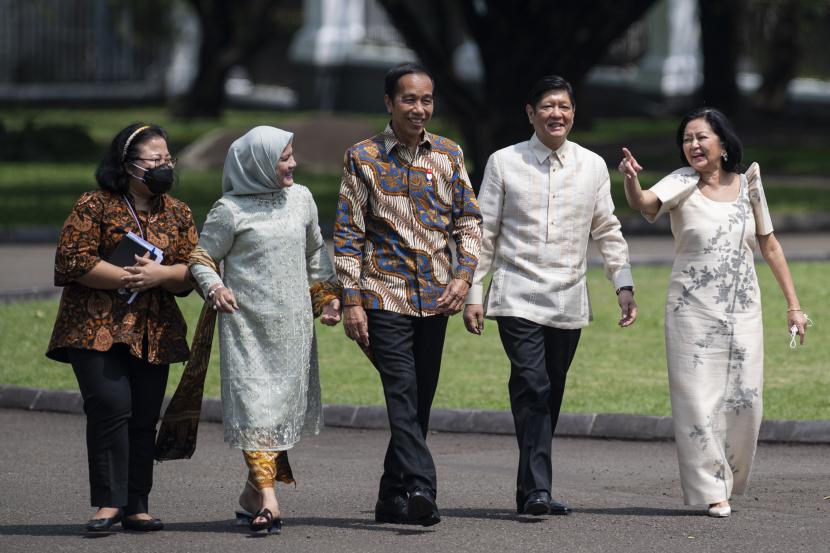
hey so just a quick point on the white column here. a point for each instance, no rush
(672, 65)
(330, 30)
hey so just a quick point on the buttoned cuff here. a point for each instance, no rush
(475, 295)
(352, 296)
(623, 278)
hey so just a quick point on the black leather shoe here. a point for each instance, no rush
(391, 510)
(421, 508)
(102, 524)
(141, 525)
(536, 504)
(557, 508)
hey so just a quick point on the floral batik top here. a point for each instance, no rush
(96, 319)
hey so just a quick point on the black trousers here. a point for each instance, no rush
(539, 360)
(122, 399)
(407, 352)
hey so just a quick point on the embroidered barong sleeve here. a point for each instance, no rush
(77, 251)
(490, 202)
(673, 189)
(216, 239)
(466, 223)
(763, 221)
(350, 230)
(606, 232)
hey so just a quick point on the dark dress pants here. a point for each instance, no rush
(407, 354)
(122, 399)
(539, 360)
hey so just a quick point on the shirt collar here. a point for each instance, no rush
(390, 140)
(543, 153)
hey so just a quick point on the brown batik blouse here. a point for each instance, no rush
(95, 319)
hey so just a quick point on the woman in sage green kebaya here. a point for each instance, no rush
(265, 230)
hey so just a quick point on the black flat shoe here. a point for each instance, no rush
(422, 509)
(142, 525)
(557, 508)
(102, 524)
(391, 510)
(536, 504)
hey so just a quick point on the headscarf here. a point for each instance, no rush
(250, 166)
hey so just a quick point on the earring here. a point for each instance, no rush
(724, 155)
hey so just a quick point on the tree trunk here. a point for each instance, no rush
(781, 59)
(720, 41)
(231, 33)
(517, 47)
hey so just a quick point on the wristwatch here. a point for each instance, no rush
(629, 288)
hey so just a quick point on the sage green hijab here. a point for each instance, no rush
(250, 167)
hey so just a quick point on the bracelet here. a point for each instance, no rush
(788, 310)
(210, 294)
(629, 288)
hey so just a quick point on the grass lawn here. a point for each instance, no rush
(41, 193)
(615, 370)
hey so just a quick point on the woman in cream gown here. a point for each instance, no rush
(714, 334)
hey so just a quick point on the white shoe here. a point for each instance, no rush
(720, 512)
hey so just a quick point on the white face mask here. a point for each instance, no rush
(794, 331)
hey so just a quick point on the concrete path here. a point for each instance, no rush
(625, 496)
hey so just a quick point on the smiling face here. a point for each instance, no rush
(552, 117)
(285, 167)
(702, 146)
(411, 107)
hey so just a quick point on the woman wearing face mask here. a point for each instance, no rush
(714, 337)
(119, 349)
(265, 230)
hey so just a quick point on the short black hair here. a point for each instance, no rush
(111, 173)
(725, 131)
(390, 81)
(545, 85)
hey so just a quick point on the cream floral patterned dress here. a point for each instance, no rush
(714, 335)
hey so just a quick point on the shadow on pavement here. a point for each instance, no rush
(643, 512)
(225, 526)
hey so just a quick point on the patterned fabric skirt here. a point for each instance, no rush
(266, 468)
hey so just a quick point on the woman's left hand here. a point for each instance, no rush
(331, 313)
(145, 274)
(799, 320)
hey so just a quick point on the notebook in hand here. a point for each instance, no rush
(123, 256)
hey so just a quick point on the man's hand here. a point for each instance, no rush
(452, 300)
(331, 313)
(474, 318)
(356, 324)
(628, 307)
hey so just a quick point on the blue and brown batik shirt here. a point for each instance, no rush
(395, 217)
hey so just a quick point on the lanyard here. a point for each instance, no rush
(135, 217)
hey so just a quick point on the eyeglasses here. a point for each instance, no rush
(159, 161)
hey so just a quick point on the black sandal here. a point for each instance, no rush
(259, 526)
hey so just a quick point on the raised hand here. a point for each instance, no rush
(629, 166)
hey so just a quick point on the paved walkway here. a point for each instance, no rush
(625, 495)
(27, 268)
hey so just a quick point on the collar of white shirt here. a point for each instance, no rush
(543, 153)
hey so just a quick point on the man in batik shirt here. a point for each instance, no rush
(404, 195)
